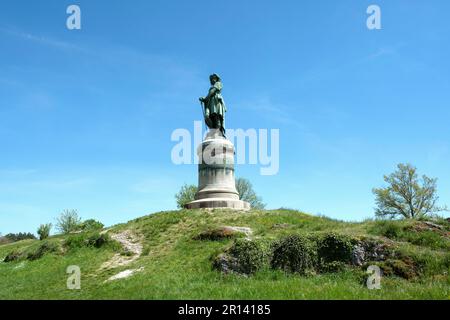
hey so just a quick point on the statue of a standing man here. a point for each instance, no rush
(214, 106)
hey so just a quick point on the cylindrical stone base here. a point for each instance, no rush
(216, 181)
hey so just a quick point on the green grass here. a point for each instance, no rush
(178, 267)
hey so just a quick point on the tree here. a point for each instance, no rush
(185, 195)
(68, 221)
(14, 237)
(44, 231)
(246, 193)
(407, 195)
(90, 225)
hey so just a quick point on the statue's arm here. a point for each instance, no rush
(211, 93)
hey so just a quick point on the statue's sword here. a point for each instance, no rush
(203, 109)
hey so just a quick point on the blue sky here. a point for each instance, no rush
(86, 115)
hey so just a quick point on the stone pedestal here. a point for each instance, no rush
(216, 182)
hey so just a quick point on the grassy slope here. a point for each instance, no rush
(177, 267)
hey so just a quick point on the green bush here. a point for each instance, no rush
(13, 256)
(76, 241)
(250, 255)
(84, 240)
(243, 257)
(217, 234)
(294, 253)
(185, 195)
(91, 225)
(333, 247)
(46, 247)
(44, 231)
(99, 240)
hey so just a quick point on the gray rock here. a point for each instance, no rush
(358, 255)
(369, 250)
(226, 263)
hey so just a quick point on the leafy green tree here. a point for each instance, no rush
(406, 195)
(68, 221)
(14, 237)
(44, 231)
(90, 225)
(185, 195)
(246, 193)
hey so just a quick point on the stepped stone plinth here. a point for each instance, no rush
(216, 181)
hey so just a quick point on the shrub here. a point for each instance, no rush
(44, 231)
(13, 256)
(294, 253)
(98, 240)
(333, 247)
(217, 234)
(244, 257)
(246, 193)
(83, 240)
(46, 247)
(185, 195)
(76, 241)
(250, 255)
(68, 221)
(91, 225)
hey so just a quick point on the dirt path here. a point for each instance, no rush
(132, 246)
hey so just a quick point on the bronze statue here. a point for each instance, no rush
(214, 106)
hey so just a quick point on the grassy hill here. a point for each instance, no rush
(172, 254)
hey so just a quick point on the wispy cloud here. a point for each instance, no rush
(160, 69)
(323, 71)
(382, 52)
(273, 111)
(43, 40)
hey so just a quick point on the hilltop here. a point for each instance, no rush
(224, 254)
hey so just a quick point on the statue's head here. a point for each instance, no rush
(214, 78)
